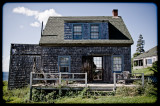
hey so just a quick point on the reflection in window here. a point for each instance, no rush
(64, 63)
(97, 70)
(117, 63)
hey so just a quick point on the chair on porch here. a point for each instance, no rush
(124, 77)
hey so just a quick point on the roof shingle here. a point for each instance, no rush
(53, 33)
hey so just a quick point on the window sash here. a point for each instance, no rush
(117, 63)
(94, 31)
(64, 63)
(77, 31)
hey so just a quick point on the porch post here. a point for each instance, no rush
(30, 86)
(86, 80)
(114, 76)
(60, 83)
(142, 79)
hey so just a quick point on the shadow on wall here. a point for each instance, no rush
(115, 34)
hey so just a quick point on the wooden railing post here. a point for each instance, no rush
(60, 78)
(85, 79)
(114, 76)
(60, 90)
(31, 86)
(142, 79)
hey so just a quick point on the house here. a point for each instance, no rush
(98, 45)
(146, 59)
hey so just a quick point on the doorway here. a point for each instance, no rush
(93, 66)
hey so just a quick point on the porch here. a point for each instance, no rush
(76, 81)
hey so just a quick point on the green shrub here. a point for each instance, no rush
(38, 95)
(150, 89)
(129, 91)
(50, 97)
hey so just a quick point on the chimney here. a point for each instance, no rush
(115, 12)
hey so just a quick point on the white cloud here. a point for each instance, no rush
(39, 16)
(35, 24)
(5, 63)
(25, 11)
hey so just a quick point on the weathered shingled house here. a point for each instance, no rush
(98, 45)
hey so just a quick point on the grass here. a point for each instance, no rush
(146, 71)
(106, 100)
(22, 96)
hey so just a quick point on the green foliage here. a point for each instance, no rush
(140, 45)
(150, 89)
(128, 91)
(136, 54)
(146, 71)
(39, 95)
(50, 97)
(131, 95)
(154, 67)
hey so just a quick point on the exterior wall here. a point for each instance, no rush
(21, 62)
(50, 58)
(144, 62)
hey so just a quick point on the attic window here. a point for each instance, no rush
(94, 31)
(77, 31)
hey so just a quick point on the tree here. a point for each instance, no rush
(140, 45)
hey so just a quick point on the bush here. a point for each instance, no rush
(150, 89)
(39, 95)
(50, 97)
(128, 91)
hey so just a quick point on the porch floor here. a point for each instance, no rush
(91, 86)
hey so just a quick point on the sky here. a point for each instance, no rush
(22, 21)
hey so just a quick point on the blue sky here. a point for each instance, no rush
(22, 21)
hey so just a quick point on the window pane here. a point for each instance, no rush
(117, 63)
(77, 28)
(94, 32)
(64, 60)
(64, 69)
(149, 61)
(94, 28)
(64, 64)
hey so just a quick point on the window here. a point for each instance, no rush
(149, 61)
(94, 32)
(97, 68)
(117, 63)
(64, 63)
(77, 32)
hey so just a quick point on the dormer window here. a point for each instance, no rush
(77, 31)
(94, 32)
(86, 30)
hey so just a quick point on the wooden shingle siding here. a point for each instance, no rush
(47, 58)
(21, 64)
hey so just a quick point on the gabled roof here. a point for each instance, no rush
(152, 52)
(53, 33)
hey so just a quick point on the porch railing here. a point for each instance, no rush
(130, 76)
(56, 78)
